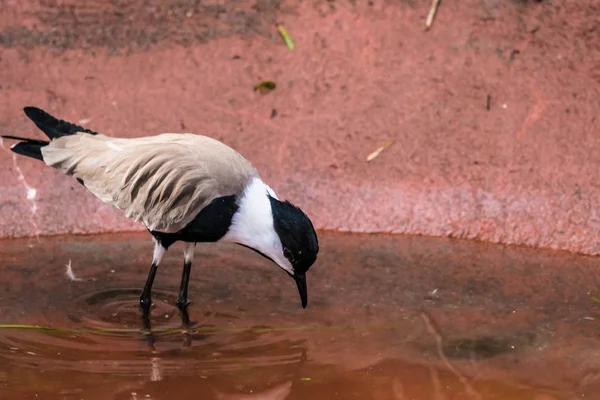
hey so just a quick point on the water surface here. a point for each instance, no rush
(387, 318)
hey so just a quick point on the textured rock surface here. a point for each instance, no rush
(523, 171)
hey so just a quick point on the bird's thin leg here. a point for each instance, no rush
(147, 332)
(146, 297)
(188, 254)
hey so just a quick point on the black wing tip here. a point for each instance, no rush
(46, 122)
(52, 126)
(35, 113)
(28, 109)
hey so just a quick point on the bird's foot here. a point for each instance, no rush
(147, 331)
(145, 304)
(182, 304)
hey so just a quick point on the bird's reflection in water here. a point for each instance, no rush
(186, 328)
(278, 392)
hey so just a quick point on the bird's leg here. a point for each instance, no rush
(146, 297)
(147, 332)
(182, 300)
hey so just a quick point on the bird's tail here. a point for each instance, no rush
(28, 147)
(51, 126)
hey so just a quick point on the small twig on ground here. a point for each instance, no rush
(438, 342)
(378, 151)
(434, 6)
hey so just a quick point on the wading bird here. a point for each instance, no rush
(181, 187)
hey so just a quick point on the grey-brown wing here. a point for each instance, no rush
(161, 181)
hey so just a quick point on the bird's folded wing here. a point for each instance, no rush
(161, 181)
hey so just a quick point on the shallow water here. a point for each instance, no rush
(387, 318)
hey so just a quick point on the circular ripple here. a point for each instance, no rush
(119, 307)
(63, 330)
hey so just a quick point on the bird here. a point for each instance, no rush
(183, 187)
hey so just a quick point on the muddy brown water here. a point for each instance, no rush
(387, 318)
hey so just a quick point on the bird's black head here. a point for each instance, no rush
(298, 240)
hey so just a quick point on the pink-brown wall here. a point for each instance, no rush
(523, 171)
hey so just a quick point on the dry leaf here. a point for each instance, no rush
(286, 37)
(265, 86)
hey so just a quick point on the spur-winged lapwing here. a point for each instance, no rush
(181, 187)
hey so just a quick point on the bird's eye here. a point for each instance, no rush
(288, 254)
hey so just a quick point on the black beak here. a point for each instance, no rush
(301, 283)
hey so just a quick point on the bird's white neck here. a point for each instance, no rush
(252, 225)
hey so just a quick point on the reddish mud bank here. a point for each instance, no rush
(520, 168)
